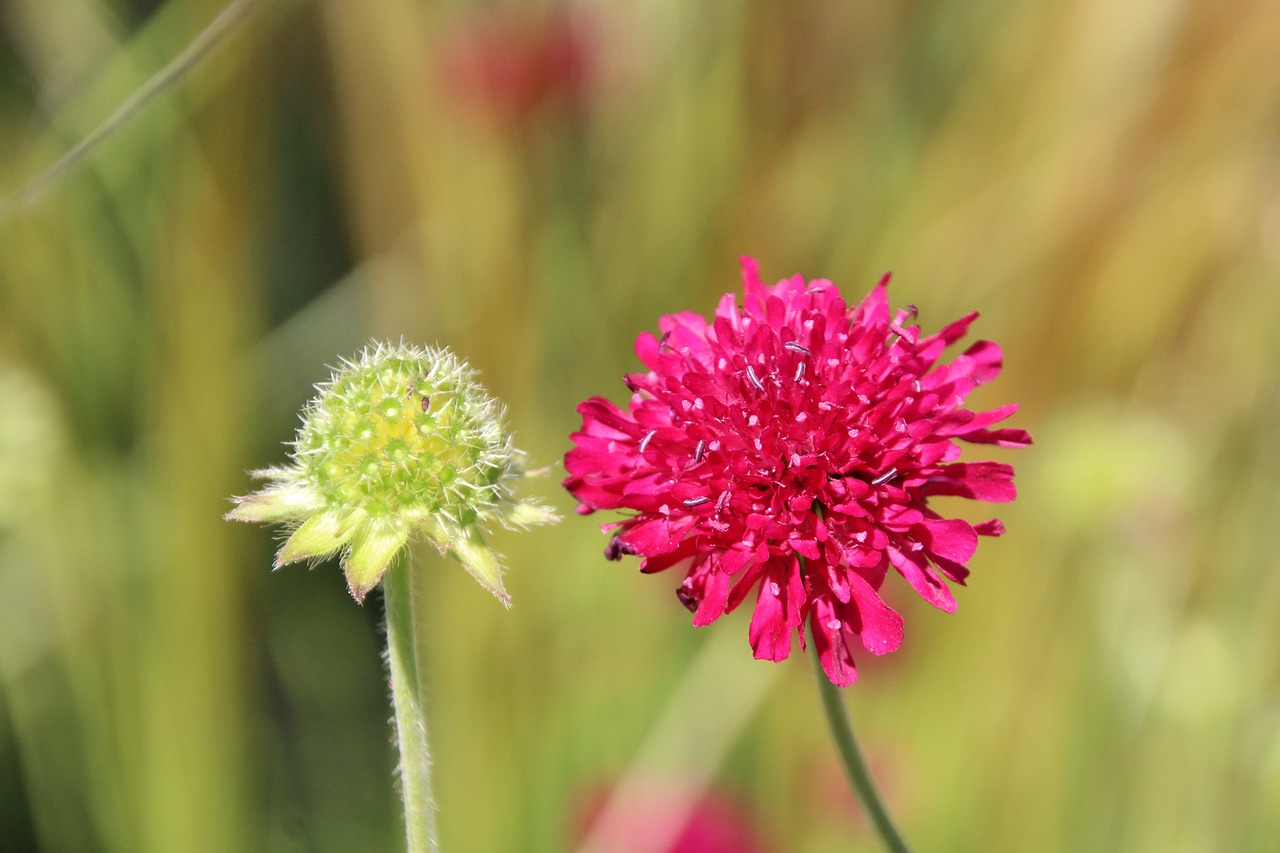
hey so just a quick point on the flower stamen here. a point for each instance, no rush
(885, 477)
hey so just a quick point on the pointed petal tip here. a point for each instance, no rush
(319, 536)
(272, 473)
(845, 677)
(499, 592)
(283, 558)
(276, 502)
(359, 591)
(248, 508)
(372, 550)
(481, 563)
(751, 281)
(526, 514)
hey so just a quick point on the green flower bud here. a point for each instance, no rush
(401, 441)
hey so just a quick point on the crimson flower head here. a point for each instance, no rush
(790, 446)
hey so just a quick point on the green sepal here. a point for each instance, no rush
(320, 536)
(372, 550)
(283, 502)
(528, 514)
(478, 558)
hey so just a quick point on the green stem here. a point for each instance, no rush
(404, 656)
(854, 765)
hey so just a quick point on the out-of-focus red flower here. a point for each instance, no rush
(791, 446)
(507, 67)
(665, 819)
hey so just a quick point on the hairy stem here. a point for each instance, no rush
(403, 658)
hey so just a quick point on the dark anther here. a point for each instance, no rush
(699, 450)
(885, 477)
(426, 403)
(686, 598)
(644, 442)
(915, 312)
(698, 501)
(723, 502)
(753, 379)
(800, 371)
(617, 549)
(797, 347)
(630, 383)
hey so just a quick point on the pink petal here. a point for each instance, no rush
(874, 308)
(923, 579)
(601, 417)
(656, 536)
(984, 481)
(963, 422)
(769, 633)
(751, 282)
(953, 571)
(714, 596)
(805, 547)
(987, 358)
(829, 642)
(956, 329)
(744, 584)
(662, 562)
(881, 626)
(954, 539)
(838, 581)
(1001, 437)
(649, 351)
(993, 527)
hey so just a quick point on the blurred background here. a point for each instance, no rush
(532, 184)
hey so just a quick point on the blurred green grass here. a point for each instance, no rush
(1100, 181)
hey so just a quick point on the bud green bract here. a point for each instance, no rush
(401, 441)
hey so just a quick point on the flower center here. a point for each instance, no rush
(401, 437)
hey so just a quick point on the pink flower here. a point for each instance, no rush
(663, 817)
(508, 67)
(791, 446)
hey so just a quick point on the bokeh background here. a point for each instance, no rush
(532, 184)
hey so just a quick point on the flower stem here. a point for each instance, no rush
(854, 765)
(404, 659)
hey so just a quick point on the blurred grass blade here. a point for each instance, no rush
(231, 18)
